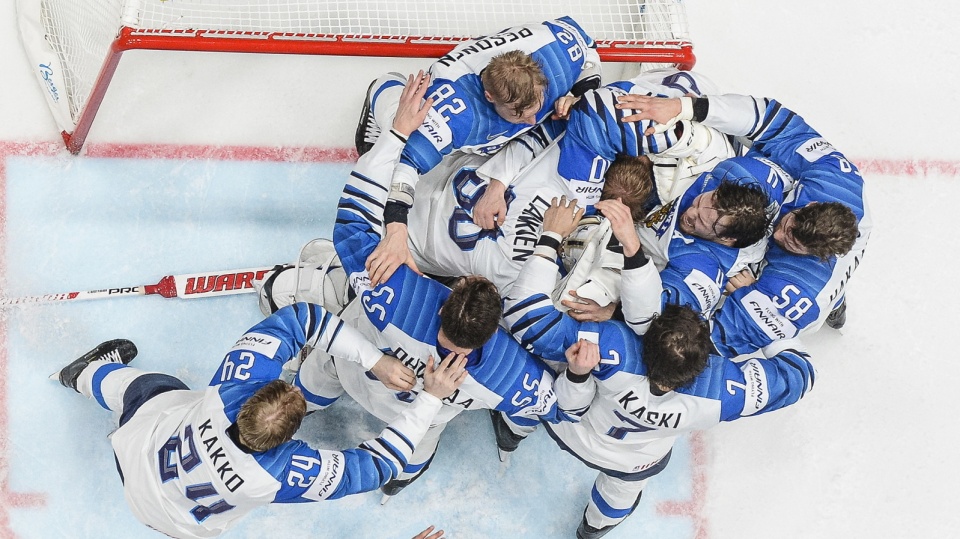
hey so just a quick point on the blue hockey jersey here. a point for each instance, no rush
(794, 294)
(463, 119)
(404, 313)
(625, 427)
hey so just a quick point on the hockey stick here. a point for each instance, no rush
(193, 285)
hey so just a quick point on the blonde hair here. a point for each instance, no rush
(514, 79)
(271, 416)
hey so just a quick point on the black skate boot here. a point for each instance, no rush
(838, 317)
(115, 351)
(367, 129)
(507, 440)
(586, 531)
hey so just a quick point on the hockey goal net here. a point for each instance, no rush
(75, 45)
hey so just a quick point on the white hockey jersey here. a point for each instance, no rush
(185, 474)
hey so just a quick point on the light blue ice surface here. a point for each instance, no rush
(81, 224)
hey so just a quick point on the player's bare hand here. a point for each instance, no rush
(582, 357)
(394, 374)
(586, 310)
(660, 110)
(561, 108)
(562, 216)
(429, 534)
(491, 210)
(413, 109)
(744, 278)
(441, 381)
(621, 221)
(391, 252)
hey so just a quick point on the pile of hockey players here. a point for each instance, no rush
(615, 265)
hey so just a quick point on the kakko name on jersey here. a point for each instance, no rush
(794, 293)
(461, 117)
(401, 315)
(625, 428)
(184, 474)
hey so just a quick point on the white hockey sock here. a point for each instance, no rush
(105, 382)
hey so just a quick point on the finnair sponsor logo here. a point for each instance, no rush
(331, 473)
(360, 281)
(259, 343)
(705, 288)
(766, 316)
(756, 393)
(436, 130)
(815, 149)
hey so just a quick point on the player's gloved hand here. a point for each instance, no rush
(666, 112)
(412, 109)
(389, 254)
(441, 381)
(582, 357)
(561, 109)
(744, 278)
(562, 217)
(394, 374)
(586, 310)
(621, 222)
(491, 210)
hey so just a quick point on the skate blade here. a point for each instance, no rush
(504, 456)
(386, 498)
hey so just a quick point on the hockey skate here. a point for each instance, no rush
(838, 317)
(586, 531)
(368, 130)
(507, 440)
(393, 487)
(115, 351)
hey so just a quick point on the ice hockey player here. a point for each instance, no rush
(193, 462)
(819, 237)
(417, 318)
(636, 395)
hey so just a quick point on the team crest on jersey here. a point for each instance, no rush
(659, 220)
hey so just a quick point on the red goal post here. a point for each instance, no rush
(74, 46)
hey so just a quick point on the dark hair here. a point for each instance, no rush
(825, 229)
(472, 313)
(746, 205)
(631, 180)
(271, 416)
(515, 79)
(676, 346)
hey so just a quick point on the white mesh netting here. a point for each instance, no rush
(80, 32)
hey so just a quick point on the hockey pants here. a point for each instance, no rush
(123, 389)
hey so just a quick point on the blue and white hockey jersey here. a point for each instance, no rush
(624, 427)
(401, 316)
(694, 271)
(185, 475)
(794, 293)
(463, 119)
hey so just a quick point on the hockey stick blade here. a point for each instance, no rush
(187, 286)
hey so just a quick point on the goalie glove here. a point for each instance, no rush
(698, 149)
